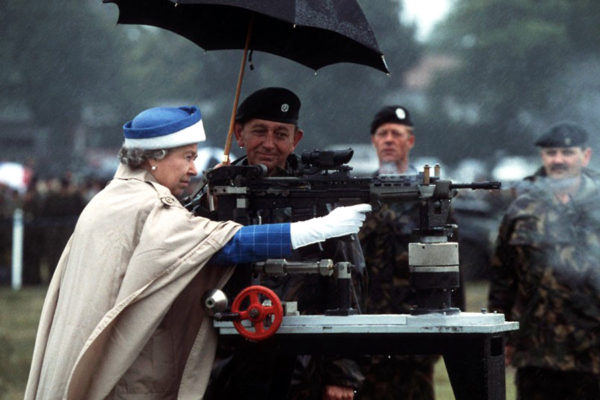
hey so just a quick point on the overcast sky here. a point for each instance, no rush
(425, 13)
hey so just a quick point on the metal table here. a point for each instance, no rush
(472, 344)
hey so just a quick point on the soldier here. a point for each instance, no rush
(392, 136)
(546, 273)
(267, 128)
(385, 237)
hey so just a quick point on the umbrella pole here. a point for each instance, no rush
(236, 99)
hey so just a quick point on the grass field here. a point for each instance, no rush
(19, 313)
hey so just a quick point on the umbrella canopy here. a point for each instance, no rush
(314, 33)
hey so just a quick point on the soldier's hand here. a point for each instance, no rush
(332, 392)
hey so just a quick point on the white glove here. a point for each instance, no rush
(340, 221)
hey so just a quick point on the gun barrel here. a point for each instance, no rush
(477, 185)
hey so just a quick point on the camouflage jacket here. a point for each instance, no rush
(546, 275)
(384, 237)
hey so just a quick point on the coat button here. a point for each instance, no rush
(168, 201)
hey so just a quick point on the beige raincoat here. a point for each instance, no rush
(122, 317)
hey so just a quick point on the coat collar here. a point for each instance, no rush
(125, 172)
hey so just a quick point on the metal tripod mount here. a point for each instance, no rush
(434, 274)
(433, 258)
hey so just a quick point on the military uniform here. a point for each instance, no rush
(546, 275)
(385, 237)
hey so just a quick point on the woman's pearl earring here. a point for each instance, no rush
(154, 168)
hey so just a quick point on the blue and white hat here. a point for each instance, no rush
(164, 128)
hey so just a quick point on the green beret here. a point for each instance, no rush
(563, 134)
(271, 104)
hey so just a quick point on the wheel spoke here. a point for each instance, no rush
(270, 310)
(258, 327)
(254, 298)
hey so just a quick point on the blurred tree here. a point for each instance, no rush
(511, 55)
(581, 23)
(509, 52)
(59, 61)
(165, 68)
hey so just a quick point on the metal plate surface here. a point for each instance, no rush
(464, 322)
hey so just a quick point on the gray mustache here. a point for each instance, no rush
(558, 167)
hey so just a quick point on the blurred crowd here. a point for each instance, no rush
(50, 210)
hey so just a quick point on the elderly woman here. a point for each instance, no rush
(122, 317)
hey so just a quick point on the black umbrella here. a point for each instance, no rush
(314, 33)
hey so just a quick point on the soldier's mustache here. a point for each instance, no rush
(558, 167)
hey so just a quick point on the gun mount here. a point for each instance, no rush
(247, 195)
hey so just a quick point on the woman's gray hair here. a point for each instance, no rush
(135, 158)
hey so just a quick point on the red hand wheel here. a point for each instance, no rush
(257, 313)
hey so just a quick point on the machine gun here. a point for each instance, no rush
(247, 195)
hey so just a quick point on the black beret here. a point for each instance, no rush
(563, 134)
(272, 104)
(394, 114)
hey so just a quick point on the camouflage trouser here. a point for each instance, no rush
(546, 384)
(398, 377)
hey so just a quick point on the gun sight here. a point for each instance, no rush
(327, 159)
